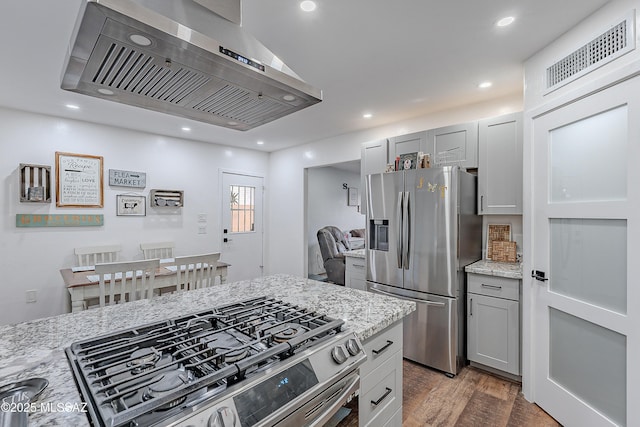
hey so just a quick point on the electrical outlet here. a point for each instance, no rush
(202, 230)
(202, 217)
(32, 295)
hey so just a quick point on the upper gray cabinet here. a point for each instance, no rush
(403, 144)
(500, 165)
(373, 160)
(454, 145)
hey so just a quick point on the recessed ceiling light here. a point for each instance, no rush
(289, 98)
(105, 91)
(485, 85)
(186, 129)
(508, 20)
(140, 40)
(308, 5)
(72, 107)
(260, 142)
(367, 115)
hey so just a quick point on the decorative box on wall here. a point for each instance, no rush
(167, 198)
(35, 183)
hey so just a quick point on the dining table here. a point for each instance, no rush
(83, 285)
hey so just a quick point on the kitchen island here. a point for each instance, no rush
(36, 348)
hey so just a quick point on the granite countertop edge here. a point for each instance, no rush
(36, 348)
(494, 268)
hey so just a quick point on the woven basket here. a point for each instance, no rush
(503, 251)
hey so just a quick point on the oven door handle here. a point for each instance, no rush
(349, 388)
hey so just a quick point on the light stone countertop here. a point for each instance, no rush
(36, 348)
(357, 253)
(492, 268)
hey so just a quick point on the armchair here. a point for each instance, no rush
(333, 245)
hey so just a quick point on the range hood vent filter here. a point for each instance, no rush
(125, 69)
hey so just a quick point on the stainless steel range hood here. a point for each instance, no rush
(180, 58)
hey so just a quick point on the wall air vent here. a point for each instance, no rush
(606, 47)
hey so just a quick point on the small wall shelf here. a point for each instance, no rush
(35, 183)
(167, 198)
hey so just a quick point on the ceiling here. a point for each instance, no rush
(394, 59)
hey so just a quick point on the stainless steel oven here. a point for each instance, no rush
(258, 362)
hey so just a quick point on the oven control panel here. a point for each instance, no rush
(269, 397)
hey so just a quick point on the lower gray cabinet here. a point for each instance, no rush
(354, 275)
(380, 400)
(493, 322)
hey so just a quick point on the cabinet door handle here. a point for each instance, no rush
(386, 393)
(383, 348)
(358, 266)
(481, 203)
(491, 287)
(470, 306)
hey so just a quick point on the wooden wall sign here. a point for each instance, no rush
(79, 181)
(127, 178)
(59, 220)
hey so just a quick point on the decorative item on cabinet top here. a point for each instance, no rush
(167, 198)
(35, 183)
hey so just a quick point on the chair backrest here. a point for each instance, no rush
(130, 280)
(332, 242)
(196, 271)
(93, 255)
(160, 250)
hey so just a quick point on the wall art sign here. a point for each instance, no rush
(79, 181)
(59, 220)
(131, 205)
(127, 178)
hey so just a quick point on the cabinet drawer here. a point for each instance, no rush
(379, 401)
(493, 286)
(356, 267)
(381, 347)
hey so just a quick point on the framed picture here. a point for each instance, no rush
(353, 196)
(79, 181)
(130, 205)
(408, 161)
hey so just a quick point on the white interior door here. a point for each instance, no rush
(242, 236)
(586, 194)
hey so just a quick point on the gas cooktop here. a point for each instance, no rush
(159, 373)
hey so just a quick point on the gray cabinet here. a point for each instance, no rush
(454, 145)
(493, 322)
(354, 274)
(410, 143)
(374, 159)
(380, 397)
(500, 165)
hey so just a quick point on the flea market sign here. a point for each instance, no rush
(127, 178)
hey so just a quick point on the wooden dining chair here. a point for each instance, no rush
(129, 281)
(160, 250)
(196, 271)
(93, 255)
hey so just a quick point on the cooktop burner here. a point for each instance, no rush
(150, 373)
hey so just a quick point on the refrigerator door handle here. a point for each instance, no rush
(399, 215)
(422, 301)
(406, 238)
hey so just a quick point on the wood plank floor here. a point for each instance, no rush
(473, 398)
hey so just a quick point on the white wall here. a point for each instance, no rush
(327, 205)
(602, 20)
(286, 227)
(32, 257)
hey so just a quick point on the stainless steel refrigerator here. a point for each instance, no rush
(422, 230)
